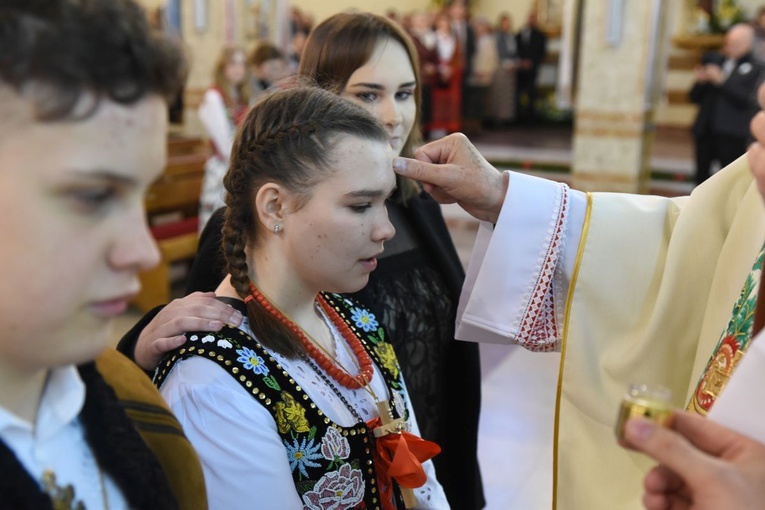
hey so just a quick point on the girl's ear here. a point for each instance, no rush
(271, 206)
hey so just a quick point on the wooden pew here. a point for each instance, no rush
(172, 205)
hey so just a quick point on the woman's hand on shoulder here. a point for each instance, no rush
(199, 311)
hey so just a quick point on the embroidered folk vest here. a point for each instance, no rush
(332, 466)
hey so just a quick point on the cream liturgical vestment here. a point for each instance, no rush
(630, 288)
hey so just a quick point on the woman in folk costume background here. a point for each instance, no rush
(80, 143)
(222, 109)
(447, 91)
(290, 406)
(414, 292)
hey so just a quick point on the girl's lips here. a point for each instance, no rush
(112, 307)
(370, 264)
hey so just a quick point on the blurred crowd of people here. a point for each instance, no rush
(475, 73)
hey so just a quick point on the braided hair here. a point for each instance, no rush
(287, 138)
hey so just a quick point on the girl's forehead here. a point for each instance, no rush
(388, 58)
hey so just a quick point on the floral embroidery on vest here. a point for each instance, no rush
(332, 466)
(732, 345)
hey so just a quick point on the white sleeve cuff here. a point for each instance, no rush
(515, 287)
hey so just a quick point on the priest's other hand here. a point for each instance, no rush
(704, 466)
(199, 311)
(452, 170)
(756, 152)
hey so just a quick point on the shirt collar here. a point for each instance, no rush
(62, 400)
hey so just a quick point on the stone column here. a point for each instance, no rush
(621, 62)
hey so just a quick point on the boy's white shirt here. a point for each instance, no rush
(56, 441)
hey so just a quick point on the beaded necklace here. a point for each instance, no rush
(334, 388)
(338, 373)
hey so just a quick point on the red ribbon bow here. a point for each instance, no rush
(399, 456)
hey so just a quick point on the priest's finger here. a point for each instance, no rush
(672, 449)
(448, 149)
(441, 179)
(664, 502)
(761, 95)
(707, 435)
(757, 127)
(662, 479)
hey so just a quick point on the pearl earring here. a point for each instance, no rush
(277, 228)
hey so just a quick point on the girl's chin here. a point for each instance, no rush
(350, 287)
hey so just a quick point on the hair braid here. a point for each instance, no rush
(234, 242)
(278, 136)
(237, 229)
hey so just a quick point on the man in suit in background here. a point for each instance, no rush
(725, 90)
(532, 48)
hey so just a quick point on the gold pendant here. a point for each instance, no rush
(61, 497)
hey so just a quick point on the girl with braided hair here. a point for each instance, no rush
(291, 407)
(414, 291)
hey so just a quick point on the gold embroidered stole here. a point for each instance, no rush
(732, 345)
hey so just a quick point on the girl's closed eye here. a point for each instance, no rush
(91, 198)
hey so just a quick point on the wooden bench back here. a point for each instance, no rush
(179, 186)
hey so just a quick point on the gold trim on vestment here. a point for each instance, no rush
(567, 316)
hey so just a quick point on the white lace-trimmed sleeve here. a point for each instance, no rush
(517, 280)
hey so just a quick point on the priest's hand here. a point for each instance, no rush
(756, 152)
(199, 311)
(452, 170)
(704, 466)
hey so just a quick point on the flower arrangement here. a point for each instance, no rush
(724, 15)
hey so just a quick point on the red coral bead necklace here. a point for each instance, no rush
(336, 372)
